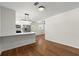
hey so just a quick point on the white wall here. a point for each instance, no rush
(0, 21)
(7, 21)
(64, 28)
(0, 29)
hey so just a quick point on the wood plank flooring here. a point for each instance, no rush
(42, 47)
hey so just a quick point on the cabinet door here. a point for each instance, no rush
(8, 21)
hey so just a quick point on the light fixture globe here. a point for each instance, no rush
(41, 8)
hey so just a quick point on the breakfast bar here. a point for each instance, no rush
(16, 40)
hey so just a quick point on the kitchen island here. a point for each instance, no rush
(16, 40)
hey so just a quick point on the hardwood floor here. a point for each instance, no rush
(42, 47)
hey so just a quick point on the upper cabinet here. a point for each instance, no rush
(7, 21)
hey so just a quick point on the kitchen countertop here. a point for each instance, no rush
(27, 33)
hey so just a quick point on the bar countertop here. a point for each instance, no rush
(27, 33)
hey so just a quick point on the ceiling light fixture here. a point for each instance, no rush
(41, 8)
(26, 17)
(26, 20)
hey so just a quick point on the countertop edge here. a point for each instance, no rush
(28, 33)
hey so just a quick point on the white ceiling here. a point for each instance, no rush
(52, 8)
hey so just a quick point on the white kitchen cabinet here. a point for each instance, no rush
(7, 21)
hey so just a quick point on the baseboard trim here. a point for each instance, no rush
(64, 44)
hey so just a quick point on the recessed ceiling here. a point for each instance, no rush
(52, 8)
